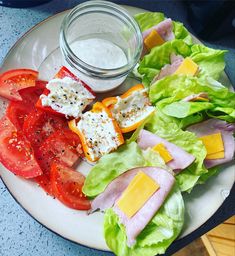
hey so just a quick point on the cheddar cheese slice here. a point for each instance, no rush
(214, 144)
(187, 67)
(140, 189)
(163, 152)
(153, 39)
(217, 155)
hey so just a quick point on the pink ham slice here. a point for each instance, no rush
(212, 126)
(169, 69)
(164, 29)
(181, 159)
(193, 97)
(138, 222)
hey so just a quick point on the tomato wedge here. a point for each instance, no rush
(17, 111)
(12, 81)
(16, 153)
(67, 187)
(60, 146)
(39, 125)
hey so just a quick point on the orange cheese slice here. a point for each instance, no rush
(140, 189)
(214, 145)
(153, 39)
(217, 155)
(187, 67)
(163, 152)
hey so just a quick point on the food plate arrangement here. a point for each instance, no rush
(31, 51)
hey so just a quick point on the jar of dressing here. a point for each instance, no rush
(101, 43)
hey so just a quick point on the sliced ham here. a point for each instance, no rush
(164, 29)
(112, 192)
(169, 69)
(194, 97)
(181, 159)
(212, 126)
(138, 222)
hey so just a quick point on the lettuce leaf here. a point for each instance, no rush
(111, 166)
(147, 20)
(161, 231)
(114, 164)
(159, 56)
(168, 92)
(210, 61)
(168, 128)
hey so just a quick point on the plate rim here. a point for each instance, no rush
(21, 38)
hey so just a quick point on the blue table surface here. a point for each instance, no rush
(20, 234)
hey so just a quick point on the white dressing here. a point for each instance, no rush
(99, 53)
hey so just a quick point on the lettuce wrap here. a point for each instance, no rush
(147, 20)
(161, 231)
(169, 94)
(167, 223)
(168, 128)
(210, 61)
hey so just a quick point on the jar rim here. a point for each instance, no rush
(107, 7)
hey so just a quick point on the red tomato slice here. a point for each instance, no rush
(41, 84)
(67, 187)
(18, 111)
(39, 125)
(44, 182)
(12, 81)
(16, 152)
(47, 108)
(59, 146)
(31, 95)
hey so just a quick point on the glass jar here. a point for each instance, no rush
(101, 42)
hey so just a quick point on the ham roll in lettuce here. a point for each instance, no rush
(191, 100)
(157, 223)
(210, 62)
(216, 132)
(157, 29)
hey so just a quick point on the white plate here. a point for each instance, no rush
(30, 51)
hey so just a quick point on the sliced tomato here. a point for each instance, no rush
(41, 84)
(47, 108)
(31, 95)
(44, 182)
(67, 187)
(60, 146)
(39, 125)
(16, 153)
(17, 111)
(12, 81)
